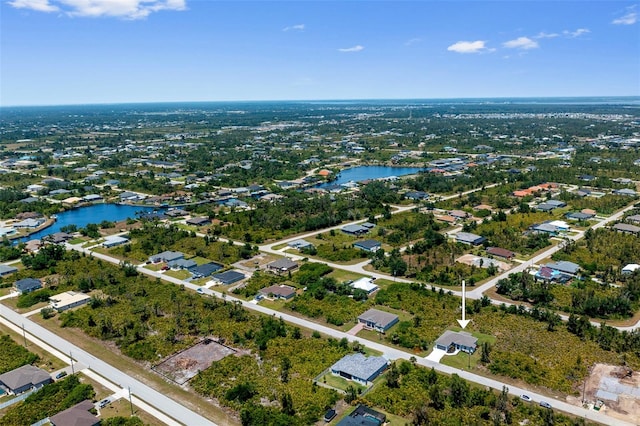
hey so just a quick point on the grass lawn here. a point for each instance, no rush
(154, 266)
(76, 240)
(341, 275)
(200, 260)
(339, 382)
(180, 274)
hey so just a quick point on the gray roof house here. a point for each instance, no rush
(360, 368)
(198, 221)
(282, 265)
(633, 218)
(379, 321)
(228, 277)
(469, 238)
(564, 266)
(27, 285)
(182, 264)
(545, 227)
(300, 244)
(206, 269)
(355, 229)
(625, 191)
(24, 378)
(78, 415)
(6, 270)
(626, 228)
(282, 291)
(166, 256)
(457, 340)
(363, 416)
(368, 245)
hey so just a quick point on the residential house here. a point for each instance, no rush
(58, 237)
(368, 245)
(365, 284)
(228, 277)
(500, 252)
(626, 228)
(166, 256)
(544, 228)
(282, 265)
(360, 368)
(92, 198)
(7, 270)
(363, 416)
(205, 269)
(198, 221)
(78, 415)
(564, 266)
(182, 264)
(300, 244)
(578, 216)
(459, 214)
(67, 300)
(355, 229)
(457, 340)
(633, 218)
(545, 207)
(551, 275)
(625, 191)
(416, 195)
(284, 292)
(24, 378)
(27, 285)
(630, 268)
(173, 213)
(379, 321)
(29, 223)
(114, 240)
(469, 238)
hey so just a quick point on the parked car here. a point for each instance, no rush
(525, 397)
(200, 290)
(61, 374)
(545, 404)
(103, 403)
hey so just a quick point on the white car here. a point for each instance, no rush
(525, 397)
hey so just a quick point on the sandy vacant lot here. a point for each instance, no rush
(618, 388)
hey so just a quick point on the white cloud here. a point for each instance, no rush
(38, 5)
(542, 34)
(412, 41)
(629, 19)
(127, 9)
(478, 46)
(356, 48)
(524, 43)
(298, 27)
(576, 33)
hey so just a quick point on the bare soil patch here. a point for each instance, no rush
(184, 365)
(618, 388)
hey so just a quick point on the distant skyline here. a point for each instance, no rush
(58, 52)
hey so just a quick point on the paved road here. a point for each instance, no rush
(389, 352)
(144, 392)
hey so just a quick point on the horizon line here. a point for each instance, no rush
(634, 97)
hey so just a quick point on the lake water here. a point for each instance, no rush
(357, 174)
(83, 216)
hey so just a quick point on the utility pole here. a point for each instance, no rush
(130, 402)
(71, 359)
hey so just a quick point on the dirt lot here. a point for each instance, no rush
(184, 365)
(469, 259)
(618, 389)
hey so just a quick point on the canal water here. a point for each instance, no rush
(82, 216)
(358, 174)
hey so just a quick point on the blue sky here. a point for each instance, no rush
(109, 51)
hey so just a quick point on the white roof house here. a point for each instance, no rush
(67, 300)
(365, 284)
(630, 268)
